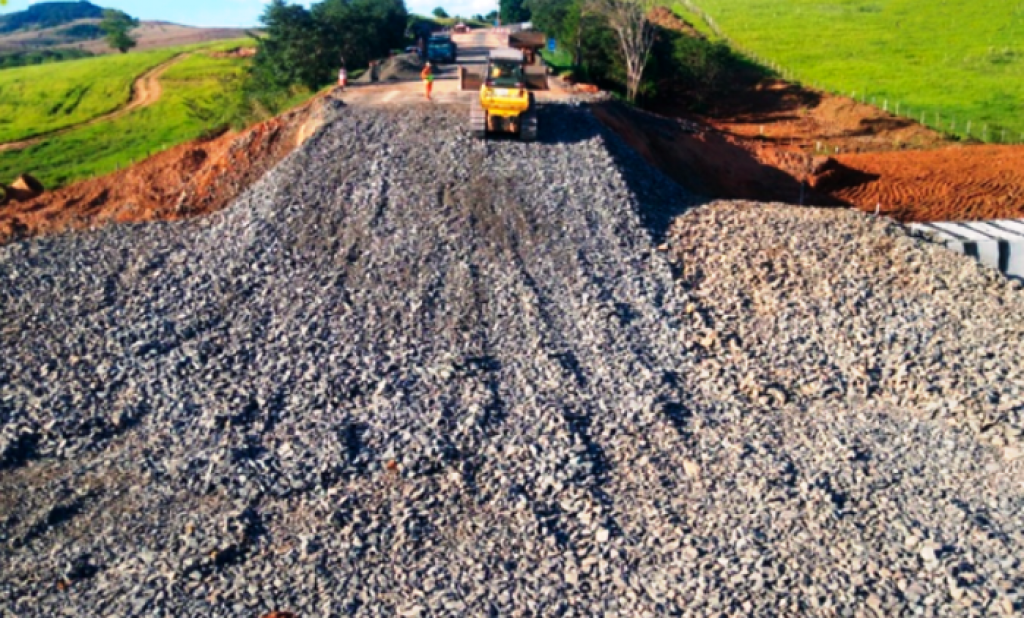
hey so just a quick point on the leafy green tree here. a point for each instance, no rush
(440, 13)
(117, 25)
(304, 47)
(289, 52)
(513, 11)
(550, 16)
(358, 31)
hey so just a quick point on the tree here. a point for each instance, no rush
(301, 46)
(549, 16)
(289, 52)
(440, 13)
(117, 24)
(628, 18)
(358, 31)
(513, 11)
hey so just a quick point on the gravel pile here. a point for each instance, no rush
(403, 67)
(412, 373)
(818, 304)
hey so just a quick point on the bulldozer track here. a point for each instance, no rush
(146, 91)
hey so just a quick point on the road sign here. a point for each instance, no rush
(551, 45)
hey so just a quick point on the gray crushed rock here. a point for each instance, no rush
(411, 373)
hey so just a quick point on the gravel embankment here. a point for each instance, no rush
(413, 373)
(831, 304)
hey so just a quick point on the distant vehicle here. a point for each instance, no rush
(442, 50)
(412, 49)
(461, 28)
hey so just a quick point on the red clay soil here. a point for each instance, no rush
(785, 114)
(770, 140)
(193, 179)
(952, 183)
(710, 162)
(664, 18)
(963, 183)
(788, 115)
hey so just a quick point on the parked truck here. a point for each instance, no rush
(441, 49)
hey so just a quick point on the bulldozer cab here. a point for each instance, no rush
(505, 73)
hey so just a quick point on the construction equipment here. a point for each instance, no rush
(505, 104)
(529, 42)
(442, 50)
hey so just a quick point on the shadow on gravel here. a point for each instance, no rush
(661, 197)
(703, 162)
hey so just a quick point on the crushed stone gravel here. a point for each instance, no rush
(410, 373)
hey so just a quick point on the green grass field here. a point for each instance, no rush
(950, 62)
(106, 146)
(44, 98)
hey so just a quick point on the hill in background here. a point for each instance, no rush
(49, 15)
(47, 28)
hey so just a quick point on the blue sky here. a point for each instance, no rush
(242, 12)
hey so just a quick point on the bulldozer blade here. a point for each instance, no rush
(478, 121)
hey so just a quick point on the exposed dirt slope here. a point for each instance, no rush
(785, 114)
(665, 18)
(952, 183)
(768, 139)
(712, 162)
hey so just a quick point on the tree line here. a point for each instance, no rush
(305, 47)
(613, 43)
(9, 60)
(299, 50)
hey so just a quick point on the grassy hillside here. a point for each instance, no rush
(955, 62)
(39, 99)
(101, 148)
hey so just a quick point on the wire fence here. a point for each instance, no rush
(942, 121)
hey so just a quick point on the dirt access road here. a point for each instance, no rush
(201, 177)
(408, 89)
(146, 90)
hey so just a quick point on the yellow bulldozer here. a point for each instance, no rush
(506, 103)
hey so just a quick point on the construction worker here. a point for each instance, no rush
(427, 75)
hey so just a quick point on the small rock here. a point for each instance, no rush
(930, 552)
(692, 468)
